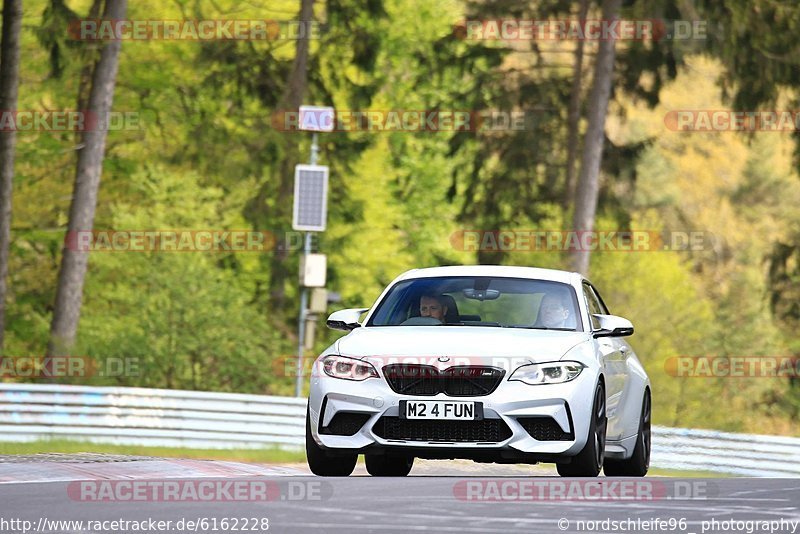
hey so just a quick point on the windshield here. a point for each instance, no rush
(479, 301)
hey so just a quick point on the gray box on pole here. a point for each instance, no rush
(310, 198)
(318, 303)
(313, 270)
(310, 332)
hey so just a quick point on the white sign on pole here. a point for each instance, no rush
(310, 198)
(316, 119)
(313, 269)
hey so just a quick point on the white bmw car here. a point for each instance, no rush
(489, 363)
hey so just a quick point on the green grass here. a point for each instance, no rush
(269, 455)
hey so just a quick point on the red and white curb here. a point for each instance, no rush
(17, 472)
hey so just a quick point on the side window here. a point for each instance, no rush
(593, 303)
(600, 300)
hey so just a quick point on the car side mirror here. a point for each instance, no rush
(345, 319)
(612, 326)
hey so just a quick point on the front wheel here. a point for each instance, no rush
(589, 461)
(639, 462)
(323, 464)
(383, 465)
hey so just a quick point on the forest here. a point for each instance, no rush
(200, 142)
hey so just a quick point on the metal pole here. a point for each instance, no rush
(314, 149)
(301, 326)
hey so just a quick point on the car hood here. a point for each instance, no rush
(462, 344)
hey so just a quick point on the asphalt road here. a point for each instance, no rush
(439, 497)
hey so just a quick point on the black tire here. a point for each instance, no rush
(589, 461)
(384, 465)
(324, 464)
(639, 462)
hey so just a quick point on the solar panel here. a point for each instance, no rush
(310, 198)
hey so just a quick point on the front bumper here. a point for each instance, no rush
(569, 405)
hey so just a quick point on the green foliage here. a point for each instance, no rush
(188, 323)
(755, 40)
(207, 156)
(739, 193)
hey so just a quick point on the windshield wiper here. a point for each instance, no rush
(495, 325)
(560, 329)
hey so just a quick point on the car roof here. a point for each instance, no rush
(505, 271)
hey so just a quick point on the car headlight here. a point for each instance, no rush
(348, 368)
(547, 373)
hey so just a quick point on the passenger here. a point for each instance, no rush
(432, 306)
(554, 311)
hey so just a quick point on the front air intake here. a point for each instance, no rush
(458, 381)
(476, 431)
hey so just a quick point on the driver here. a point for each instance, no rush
(432, 306)
(554, 311)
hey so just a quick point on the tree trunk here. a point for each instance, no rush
(574, 112)
(291, 100)
(89, 58)
(589, 178)
(71, 276)
(9, 83)
(297, 83)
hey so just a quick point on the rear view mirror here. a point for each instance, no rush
(345, 319)
(612, 326)
(481, 294)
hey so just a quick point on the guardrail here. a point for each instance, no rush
(156, 417)
(725, 452)
(205, 420)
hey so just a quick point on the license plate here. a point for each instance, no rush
(449, 410)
